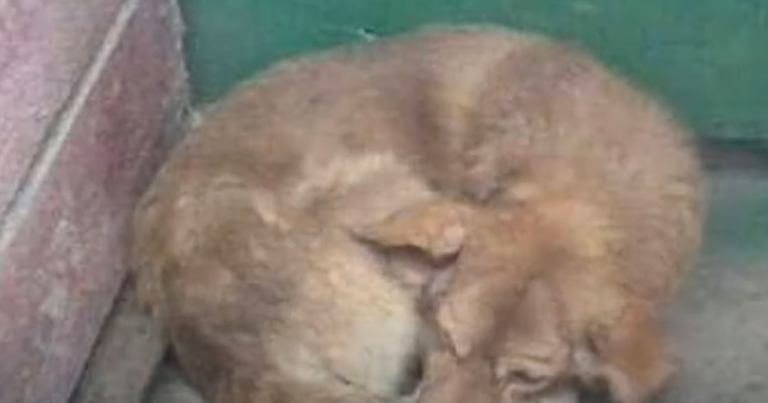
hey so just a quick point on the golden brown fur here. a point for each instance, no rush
(544, 208)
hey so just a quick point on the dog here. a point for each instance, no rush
(492, 209)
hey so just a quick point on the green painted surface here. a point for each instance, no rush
(707, 58)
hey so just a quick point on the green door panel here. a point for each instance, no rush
(706, 58)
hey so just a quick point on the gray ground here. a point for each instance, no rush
(718, 328)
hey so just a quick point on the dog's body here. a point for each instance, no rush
(277, 243)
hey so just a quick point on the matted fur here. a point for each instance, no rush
(538, 206)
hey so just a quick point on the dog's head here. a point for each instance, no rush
(499, 333)
(520, 359)
(503, 323)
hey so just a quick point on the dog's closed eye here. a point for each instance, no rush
(523, 377)
(519, 376)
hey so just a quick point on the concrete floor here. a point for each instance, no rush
(718, 328)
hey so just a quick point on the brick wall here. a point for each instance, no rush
(91, 94)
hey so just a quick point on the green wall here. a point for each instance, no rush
(707, 58)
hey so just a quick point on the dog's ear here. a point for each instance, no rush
(436, 228)
(464, 315)
(519, 324)
(534, 353)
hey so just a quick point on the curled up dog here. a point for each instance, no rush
(492, 207)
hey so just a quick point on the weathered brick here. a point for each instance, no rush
(65, 261)
(44, 46)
